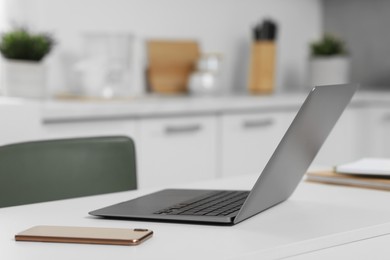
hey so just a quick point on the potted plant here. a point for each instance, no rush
(22, 69)
(329, 62)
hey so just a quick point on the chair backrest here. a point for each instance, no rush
(58, 169)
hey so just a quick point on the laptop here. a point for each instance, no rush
(282, 174)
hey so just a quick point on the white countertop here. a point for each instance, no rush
(159, 106)
(4, 101)
(155, 106)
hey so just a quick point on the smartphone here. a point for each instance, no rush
(85, 235)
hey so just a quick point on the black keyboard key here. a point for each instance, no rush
(213, 204)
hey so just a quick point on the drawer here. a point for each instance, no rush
(248, 140)
(348, 141)
(19, 123)
(176, 150)
(88, 128)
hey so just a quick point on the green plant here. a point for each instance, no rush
(329, 45)
(20, 44)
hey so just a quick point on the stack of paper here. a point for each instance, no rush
(371, 173)
(366, 166)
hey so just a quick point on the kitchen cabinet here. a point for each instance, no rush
(187, 139)
(19, 122)
(346, 142)
(88, 128)
(249, 139)
(176, 150)
(379, 120)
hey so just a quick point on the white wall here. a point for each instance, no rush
(363, 25)
(219, 25)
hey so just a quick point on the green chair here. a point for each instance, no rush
(59, 169)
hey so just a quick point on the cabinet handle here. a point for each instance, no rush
(183, 129)
(258, 123)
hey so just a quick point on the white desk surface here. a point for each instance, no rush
(316, 217)
(372, 248)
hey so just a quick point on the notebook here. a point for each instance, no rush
(366, 166)
(360, 181)
(282, 174)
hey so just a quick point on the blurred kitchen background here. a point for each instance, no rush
(218, 25)
(229, 96)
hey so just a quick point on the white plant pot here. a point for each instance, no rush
(23, 78)
(329, 70)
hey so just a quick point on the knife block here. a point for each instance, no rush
(262, 67)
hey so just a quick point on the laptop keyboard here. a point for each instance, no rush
(219, 203)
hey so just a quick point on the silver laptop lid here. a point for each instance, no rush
(298, 148)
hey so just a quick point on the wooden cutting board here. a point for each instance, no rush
(170, 63)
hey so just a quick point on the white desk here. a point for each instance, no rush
(373, 248)
(315, 217)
